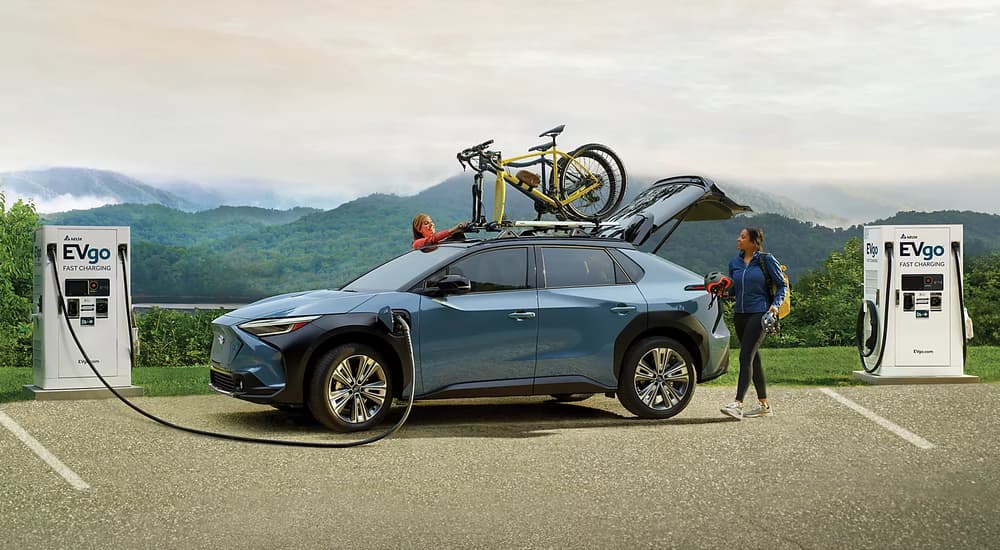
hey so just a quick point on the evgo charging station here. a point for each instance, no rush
(80, 300)
(913, 326)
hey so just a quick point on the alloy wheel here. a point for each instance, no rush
(661, 378)
(358, 389)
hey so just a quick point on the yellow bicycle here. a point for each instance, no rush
(587, 184)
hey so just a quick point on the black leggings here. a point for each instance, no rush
(750, 333)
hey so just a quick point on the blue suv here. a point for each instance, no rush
(535, 313)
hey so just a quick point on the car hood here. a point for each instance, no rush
(313, 302)
(651, 218)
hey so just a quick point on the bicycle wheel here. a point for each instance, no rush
(589, 164)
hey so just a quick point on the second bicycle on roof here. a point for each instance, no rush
(586, 184)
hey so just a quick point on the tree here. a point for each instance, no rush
(17, 238)
(825, 301)
(982, 294)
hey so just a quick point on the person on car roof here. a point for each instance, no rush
(424, 235)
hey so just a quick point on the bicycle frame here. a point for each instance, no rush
(549, 198)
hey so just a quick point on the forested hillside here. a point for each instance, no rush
(323, 249)
(803, 246)
(238, 254)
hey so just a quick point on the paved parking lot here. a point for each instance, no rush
(515, 473)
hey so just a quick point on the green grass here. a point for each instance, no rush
(784, 366)
(171, 380)
(155, 381)
(835, 366)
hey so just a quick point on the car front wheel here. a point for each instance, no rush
(351, 388)
(657, 378)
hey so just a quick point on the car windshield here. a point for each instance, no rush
(397, 273)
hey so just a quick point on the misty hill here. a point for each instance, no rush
(826, 205)
(65, 188)
(158, 224)
(762, 202)
(859, 203)
(68, 188)
(829, 204)
(56, 189)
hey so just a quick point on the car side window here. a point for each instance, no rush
(493, 270)
(573, 266)
(634, 271)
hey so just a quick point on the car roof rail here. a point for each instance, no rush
(553, 224)
(548, 228)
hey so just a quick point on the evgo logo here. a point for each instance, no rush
(85, 252)
(926, 251)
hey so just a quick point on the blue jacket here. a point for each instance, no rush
(750, 287)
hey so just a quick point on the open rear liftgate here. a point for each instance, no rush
(913, 326)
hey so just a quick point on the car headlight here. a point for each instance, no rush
(272, 327)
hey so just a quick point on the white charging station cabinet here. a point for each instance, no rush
(91, 277)
(913, 325)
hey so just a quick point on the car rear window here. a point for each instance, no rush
(635, 272)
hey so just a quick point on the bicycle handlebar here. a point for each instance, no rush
(466, 155)
(471, 152)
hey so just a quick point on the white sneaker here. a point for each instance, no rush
(734, 410)
(759, 410)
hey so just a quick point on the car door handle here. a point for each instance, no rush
(521, 315)
(623, 309)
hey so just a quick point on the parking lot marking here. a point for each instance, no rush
(43, 453)
(894, 428)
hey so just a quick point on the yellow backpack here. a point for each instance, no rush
(786, 306)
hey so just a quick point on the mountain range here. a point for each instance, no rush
(184, 252)
(833, 205)
(233, 254)
(61, 189)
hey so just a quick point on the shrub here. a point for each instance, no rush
(169, 338)
(17, 241)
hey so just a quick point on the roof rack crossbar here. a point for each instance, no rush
(548, 224)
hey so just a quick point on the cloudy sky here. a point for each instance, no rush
(350, 97)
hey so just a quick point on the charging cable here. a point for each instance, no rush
(955, 246)
(121, 252)
(885, 318)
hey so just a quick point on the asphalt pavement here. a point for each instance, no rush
(515, 473)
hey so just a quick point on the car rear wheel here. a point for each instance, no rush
(657, 379)
(351, 388)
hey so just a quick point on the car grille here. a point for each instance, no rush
(223, 382)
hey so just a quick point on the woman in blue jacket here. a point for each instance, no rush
(753, 301)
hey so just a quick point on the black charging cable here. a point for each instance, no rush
(122, 250)
(62, 303)
(955, 246)
(885, 315)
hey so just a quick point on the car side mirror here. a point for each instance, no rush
(452, 284)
